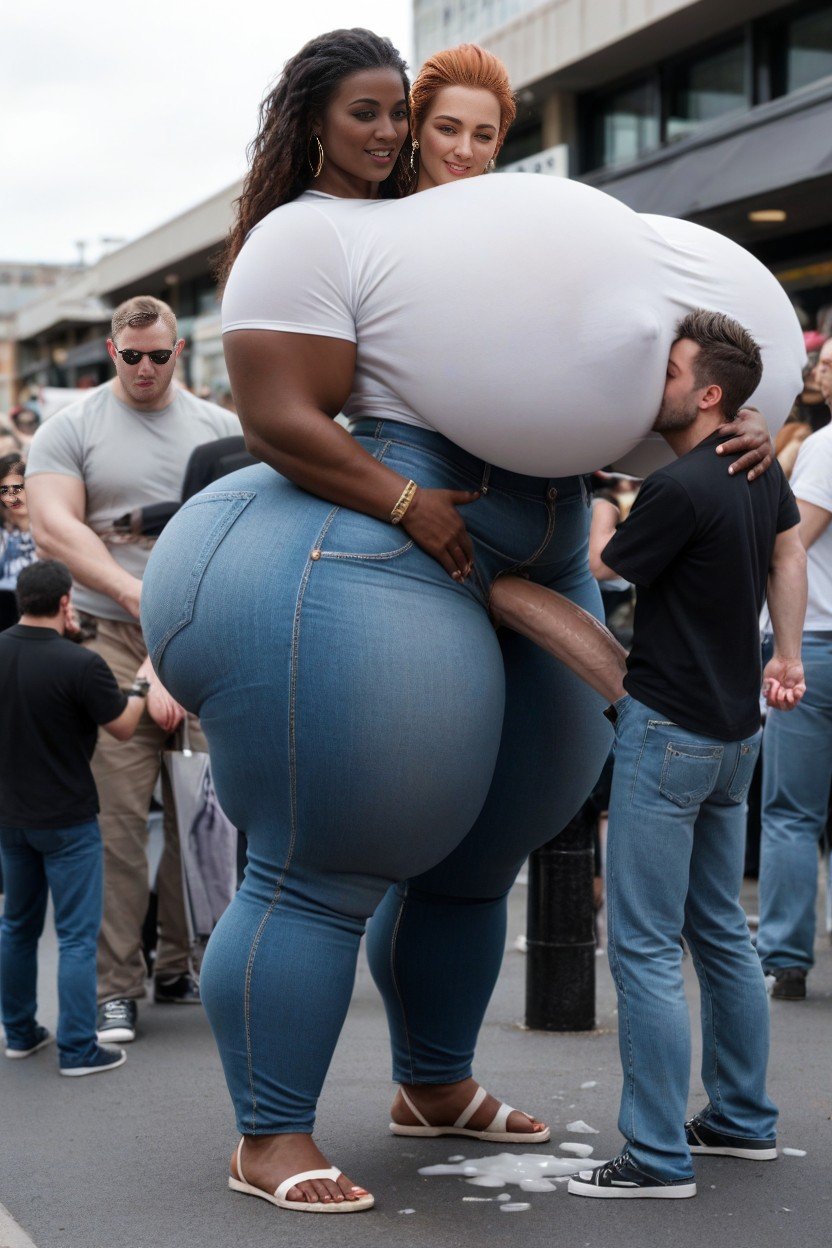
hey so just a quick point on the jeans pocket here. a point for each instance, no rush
(747, 755)
(689, 772)
(199, 527)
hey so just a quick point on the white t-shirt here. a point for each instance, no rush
(812, 482)
(126, 459)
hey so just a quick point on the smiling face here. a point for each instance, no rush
(361, 133)
(458, 136)
(13, 497)
(144, 385)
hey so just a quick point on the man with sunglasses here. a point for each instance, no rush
(123, 447)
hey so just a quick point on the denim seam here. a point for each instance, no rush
(702, 974)
(619, 981)
(551, 505)
(637, 768)
(293, 835)
(351, 555)
(393, 942)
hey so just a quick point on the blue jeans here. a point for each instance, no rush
(674, 869)
(68, 863)
(797, 770)
(378, 742)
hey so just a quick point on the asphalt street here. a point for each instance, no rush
(138, 1158)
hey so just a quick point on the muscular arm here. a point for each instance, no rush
(813, 521)
(568, 632)
(605, 516)
(783, 682)
(288, 388)
(751, 435)
(57, 505)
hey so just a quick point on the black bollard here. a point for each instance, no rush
(560, 963)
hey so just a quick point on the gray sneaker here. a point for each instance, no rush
(789, 983)
(106, 1057)
(117, 1021)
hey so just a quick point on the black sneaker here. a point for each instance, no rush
(703, 1139)
(183, 990)
(106, 1057)
(117, 1021)
(789, 983)
(621, 1179)
(39, 1040)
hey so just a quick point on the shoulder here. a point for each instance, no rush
(206, 414)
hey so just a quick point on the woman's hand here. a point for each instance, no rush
(752, 436)
(434, 523)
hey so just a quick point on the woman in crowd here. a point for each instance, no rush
(17, 546)
(369, 730)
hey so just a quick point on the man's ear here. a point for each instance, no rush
(111, 350)
(711, 398)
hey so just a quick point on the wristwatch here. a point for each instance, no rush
(139, 688)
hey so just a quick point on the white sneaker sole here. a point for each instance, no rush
(76, 1072)
(116, 1035)
(17, 1055)
(748, 1154)
(680, 1192)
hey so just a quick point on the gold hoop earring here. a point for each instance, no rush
(413, 150)
(316, 169)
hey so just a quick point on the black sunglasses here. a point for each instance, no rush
(13, 490)
(132, 357)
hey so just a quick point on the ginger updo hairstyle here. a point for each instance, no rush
(467, 65)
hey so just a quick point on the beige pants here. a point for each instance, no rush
(126, 773)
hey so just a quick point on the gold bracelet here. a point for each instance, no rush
(405, 499)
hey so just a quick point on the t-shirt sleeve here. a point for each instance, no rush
(661, 521)
(103, 699)
(788, 512)
(57, 447)
(291, 275)
(812, 476)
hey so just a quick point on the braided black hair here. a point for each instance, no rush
(279, 165)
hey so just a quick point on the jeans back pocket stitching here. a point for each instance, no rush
(709, 754)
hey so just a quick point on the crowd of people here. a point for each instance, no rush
(390, 519)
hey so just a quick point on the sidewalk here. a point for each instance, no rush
(138, 1158)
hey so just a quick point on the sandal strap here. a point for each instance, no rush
(500, 1119)
(240, 1174)
(413, 1109)
(331, 1173)
(472, 1107)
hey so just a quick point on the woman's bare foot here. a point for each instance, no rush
(268, 1160)
(442, 1103)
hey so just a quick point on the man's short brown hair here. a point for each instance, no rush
(140, 311)
(728, 356)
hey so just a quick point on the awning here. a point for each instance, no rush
(774, 146)
(87, 354)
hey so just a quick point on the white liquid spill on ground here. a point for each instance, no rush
(456, 1157)
(478, 1200)
(577, 1150)
(407, 1211)
(793, 1152)
(504, 1196)
(537, 1185)
(590, 1083)
(502, 1169)
(518, 1207)
(580, 1127)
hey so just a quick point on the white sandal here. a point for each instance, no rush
(302, 1206)
(495, 1132)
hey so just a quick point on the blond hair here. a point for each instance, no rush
(140, 311)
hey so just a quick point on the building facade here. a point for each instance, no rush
(721, 113)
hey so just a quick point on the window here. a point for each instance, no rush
(808, 49)
(706, 88)
(626, 124)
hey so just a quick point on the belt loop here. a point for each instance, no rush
(486, 476)
(378, 429)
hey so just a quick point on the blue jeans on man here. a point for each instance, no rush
(797, 770)
(674, 869)
(68, 863)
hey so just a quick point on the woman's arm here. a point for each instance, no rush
(568, 632)
(288, 389)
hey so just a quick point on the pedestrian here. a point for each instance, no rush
(17, 546)
(126, 446)
(797, 748)
(702, 549)
(54, 695)
(353, 805)
(26, 422)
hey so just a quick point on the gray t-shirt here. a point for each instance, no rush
(126, 459)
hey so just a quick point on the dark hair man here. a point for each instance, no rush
(126, 446)
(797, 750)
(54, 695)
(702, 548)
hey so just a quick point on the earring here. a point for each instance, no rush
(316, 169)
(491, 166)
(413, 150)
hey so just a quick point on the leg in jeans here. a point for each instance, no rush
(797, 769)
(20, 930)
(734, 1004)
(653, 809)
(72, 860)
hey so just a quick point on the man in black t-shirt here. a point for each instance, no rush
(54, 696)
(703, 548)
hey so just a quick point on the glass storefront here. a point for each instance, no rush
(701, 90)
(808, 46)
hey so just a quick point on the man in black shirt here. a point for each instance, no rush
(54, 695)
(703, 548)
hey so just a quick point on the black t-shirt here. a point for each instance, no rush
(53, 696)
(698, 546)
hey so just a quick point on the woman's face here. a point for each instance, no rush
(13, 496)
(361, 133)
(458, 136)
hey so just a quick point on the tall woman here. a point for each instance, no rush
(329, 622)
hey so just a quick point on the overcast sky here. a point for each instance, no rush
(114, 118)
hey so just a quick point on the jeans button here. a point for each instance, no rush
(552, 493)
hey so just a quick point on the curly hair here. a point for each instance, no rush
(279, 167)
(467, 65)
